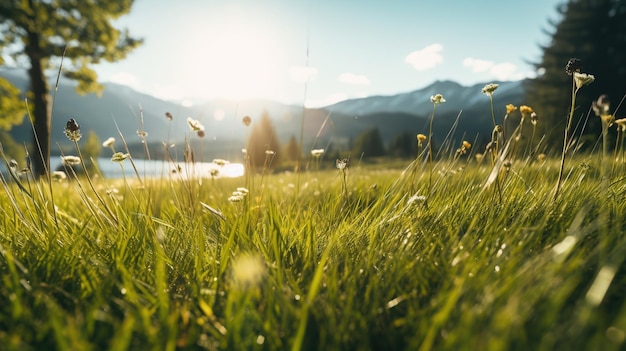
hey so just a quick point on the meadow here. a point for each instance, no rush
(453, 252)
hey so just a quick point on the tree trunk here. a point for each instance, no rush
(42, 107)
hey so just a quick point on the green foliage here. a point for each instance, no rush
(263, 140)
(91, 149)
(292, 149)
(369, 144)
(403, 145)
(81, 32)
(12, 150)
(593, 31)
(12, 108)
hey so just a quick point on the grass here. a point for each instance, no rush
(370, 268)
(449, 254)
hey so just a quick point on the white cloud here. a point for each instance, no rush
(477, 65)
(354, 79)
(504, 71)
(300, 74)
(125, 78)
(426, 58)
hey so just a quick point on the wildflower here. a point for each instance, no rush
(119, 157)
(169, 116)
(342, 164)
(490, 88)
(510, 108)
(573, 65)
(421, 138)
(437, 99)
(582, 79)
(72, 130)
(525, 110)
(601, 106)
(621, 124)
(269, 152)
(220, 162)
(243, 190)
(194, 124)
(247, 120)
(70, 160)
(466, 144)
(109, 142)
(479, 157)
(59, 175)
(214, 172)
(317, 153)
(235, 198)
(142, 134)
(534, 118)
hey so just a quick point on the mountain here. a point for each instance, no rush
(417, 102)
(466, 112)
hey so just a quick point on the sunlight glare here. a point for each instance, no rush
(233, 61)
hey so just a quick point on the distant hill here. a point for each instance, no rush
(339, 123)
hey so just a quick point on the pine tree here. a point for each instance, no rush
(37, 31)
(593, 31)
(292, 149)
(369, 144)
(263, 140)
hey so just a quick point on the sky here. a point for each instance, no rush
(317, 52)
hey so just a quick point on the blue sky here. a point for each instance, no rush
(342, 49)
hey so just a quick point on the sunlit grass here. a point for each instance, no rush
(344, 263)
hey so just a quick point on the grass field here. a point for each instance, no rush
(318, 268)
(432, 254)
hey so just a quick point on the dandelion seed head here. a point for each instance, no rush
(109, 142)
(119, 157)
(317, 152)
(70, 160)
(194, 124)
(59, 175)
(582, 79)
(490, 88)
(437, 99)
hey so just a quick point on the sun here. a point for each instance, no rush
(233, 61)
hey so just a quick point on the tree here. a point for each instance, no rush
(403, 145)
(263, 141)
(369, 144)
(12, 110)
(292, 149)
(593, 31)
(37, 31)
